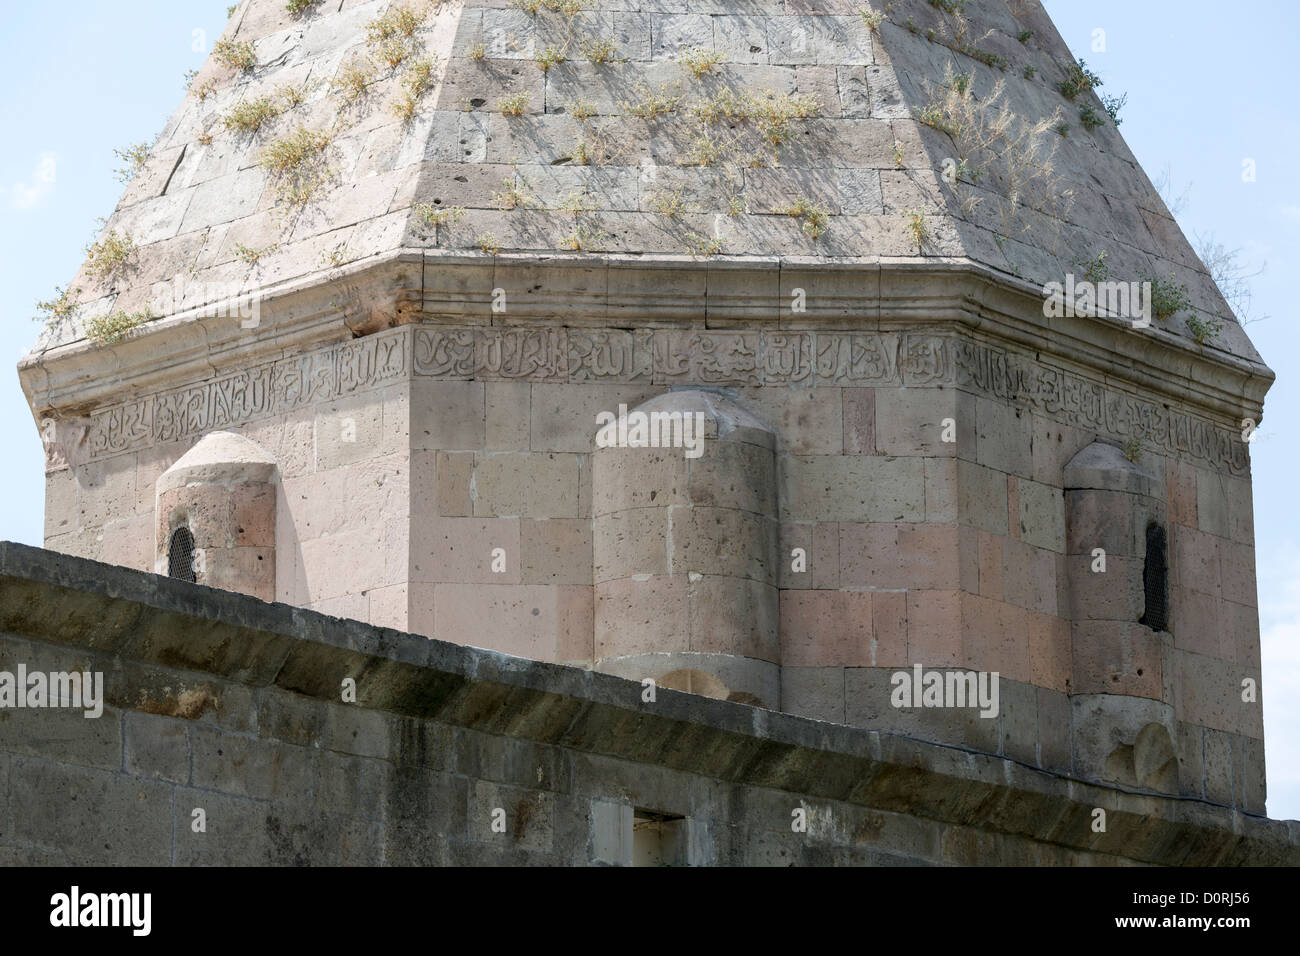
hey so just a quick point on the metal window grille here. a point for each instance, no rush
(180, 555)
(1155, 581)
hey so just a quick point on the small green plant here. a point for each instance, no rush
(1133, 450)
(549, 57)
(706, 245)
(954, 7)
(777, 114)
(816, 217)
(911, 27)
(230, 10)
(297, 160)
(478, 52)
(61, 306)
(237, 56)
(935, 116)
(735, 206)
(204, 89)
(253, 256)
(190, 77)
(699, 60)
(1062, 128)
(652, 103)
(133, 157)
(248, 116)
(1030, 72)
(108, 258)
(1095, 270)
(706, 149)
(335, 257)
(1167, 296)
(297, 7)
(513, 193)
(1078, 79)
(514, 105)
(487, 242)
(577, 204)
(393, 51)
(871, 19)
(352, 80)
(293, 95)
(112, 328)
(1203, 330)
(433, 216)
(929, 34)
(916, 227)
(1024, 35)
(399, 20)
(600, 52)
(670, 203)
(1113, 104)
(204, 138)
(583, 238)
(961, 83)
(582, 110)
(898, 153)
(415, 83)
(1090, 118)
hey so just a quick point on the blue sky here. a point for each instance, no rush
(1207, 88)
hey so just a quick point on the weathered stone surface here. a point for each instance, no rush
(525, 735)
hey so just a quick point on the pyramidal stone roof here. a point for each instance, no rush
(842, 134)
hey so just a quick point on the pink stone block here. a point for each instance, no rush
(934, 628)
(899, 556)
(460, 550)
(825, 555)
(1239, 634)
(130, 542)
(1196, 624)
(514, 619)
(1050, 656)
(1013, 505)
(990, 565)
(639, 617)
(859, 421)
(1111, 657)
(826, 628)
(253, 507)
(995, 637)
(1237, 572)
(1180, 484)
(1196, 560)
(575, 622)
(889, 628)
(389, 606)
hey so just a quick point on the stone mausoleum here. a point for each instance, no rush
(344, 346)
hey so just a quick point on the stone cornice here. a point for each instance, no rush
(640, 292)
(127, 617)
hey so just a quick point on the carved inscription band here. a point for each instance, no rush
(657, 356)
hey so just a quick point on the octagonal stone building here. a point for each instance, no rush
(399, 259)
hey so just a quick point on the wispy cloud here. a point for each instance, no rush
(24, 195)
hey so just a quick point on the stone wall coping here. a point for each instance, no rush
(158, 621)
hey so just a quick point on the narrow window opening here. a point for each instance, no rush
(658, 839)
(1155, 581)
(180, 555)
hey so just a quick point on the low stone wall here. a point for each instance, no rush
(220, 703)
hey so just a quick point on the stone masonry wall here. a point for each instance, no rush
(400, 483)
(219, 702)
